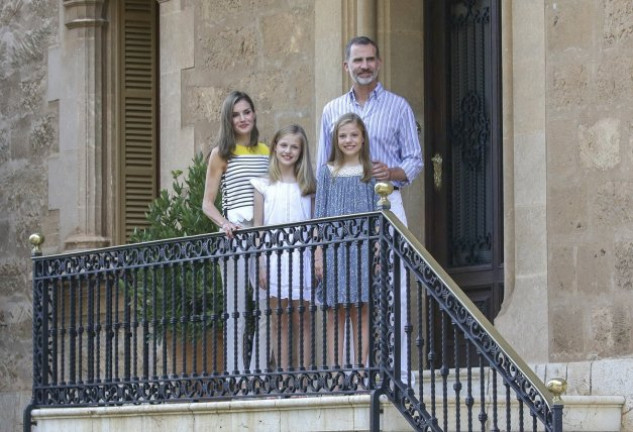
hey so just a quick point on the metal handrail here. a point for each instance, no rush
(545, 404)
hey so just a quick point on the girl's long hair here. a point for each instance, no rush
(303, 166)
(226, 136)
(336, 155)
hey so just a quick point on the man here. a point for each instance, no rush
(393, 139)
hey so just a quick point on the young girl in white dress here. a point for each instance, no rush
(287, 195)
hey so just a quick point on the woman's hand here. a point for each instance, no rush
(229, 228)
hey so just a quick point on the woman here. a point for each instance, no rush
(237, 158)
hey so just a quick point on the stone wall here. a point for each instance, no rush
(28, 135)
(262, 47)
(589, 78)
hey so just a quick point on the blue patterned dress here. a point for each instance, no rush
(339, 195)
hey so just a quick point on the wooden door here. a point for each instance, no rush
(464, 228)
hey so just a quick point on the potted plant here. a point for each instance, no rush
(182, 302)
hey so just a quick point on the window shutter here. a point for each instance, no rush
(139, 113)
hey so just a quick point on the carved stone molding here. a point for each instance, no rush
(84, 13)
(83, 107)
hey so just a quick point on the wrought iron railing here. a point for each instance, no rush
(151, 323)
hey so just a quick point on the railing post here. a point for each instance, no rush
(383, 190)
(557, 386)
(39, 323)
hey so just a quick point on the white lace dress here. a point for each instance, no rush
(289, 276)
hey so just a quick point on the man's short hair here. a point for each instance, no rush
(360, 40)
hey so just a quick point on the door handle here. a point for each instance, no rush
(437, 171)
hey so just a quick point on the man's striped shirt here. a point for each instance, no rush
(393, 136)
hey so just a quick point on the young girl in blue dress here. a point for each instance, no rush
(345, 186)
(287, 195)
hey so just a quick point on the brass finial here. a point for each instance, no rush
(557, 386)
(36, 239)
(383, 189)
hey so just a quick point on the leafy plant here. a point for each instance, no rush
(179, 214)
(188, 293)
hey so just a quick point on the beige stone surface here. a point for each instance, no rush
(589, 81)
(28, 136)
(268, 55)
(12, 404)
(526, 304)
(611, 329)
(177, 45)
(567, 335)
(564, 19)
(618, 23)
(624, 265)
(530, 174)
(594, 270)
(599, 144)
(567, 214)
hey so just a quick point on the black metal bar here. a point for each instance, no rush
(347, 304)
(375, 409)
(397, 318)
(508, 408)
(432, 355)
(59, 326)
(495, 406)
(444, 367)
(419, 341)
(80, 331)
(470, 400)
(154, 322)
(109, 336)
(557, 417)
(483, 417)
(457, 385)
(145, 327)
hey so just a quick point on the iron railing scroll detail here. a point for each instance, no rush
(155, 322)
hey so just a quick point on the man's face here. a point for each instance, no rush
(362, 64)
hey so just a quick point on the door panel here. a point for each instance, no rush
(464, 229)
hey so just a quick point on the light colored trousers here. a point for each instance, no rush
(397, 208)
(236, 331)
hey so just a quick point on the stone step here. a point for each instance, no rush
(309, 414)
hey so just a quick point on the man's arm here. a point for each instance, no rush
(411, 163)
(325, 140)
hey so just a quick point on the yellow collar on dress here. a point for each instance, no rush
(259, 149)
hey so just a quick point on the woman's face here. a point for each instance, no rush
(243, 118)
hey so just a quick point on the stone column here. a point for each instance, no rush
(81, 124)
(366, 21)
(176, 47)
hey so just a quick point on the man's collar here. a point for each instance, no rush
(375, 93)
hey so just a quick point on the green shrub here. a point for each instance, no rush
(185, 293)
(179, 214)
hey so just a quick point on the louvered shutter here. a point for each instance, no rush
(139, 113)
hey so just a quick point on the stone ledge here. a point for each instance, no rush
(325, 413)
(592, 413)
